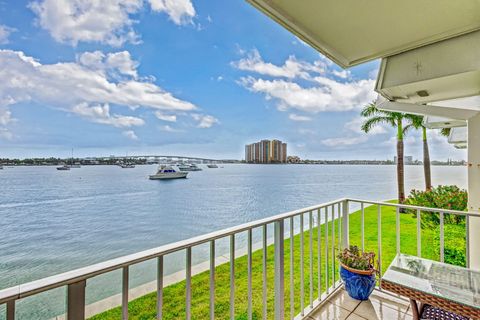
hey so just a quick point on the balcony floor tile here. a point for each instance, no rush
(330, 311)
(380, 306)
(342, 299)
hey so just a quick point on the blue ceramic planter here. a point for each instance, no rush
(358, 286)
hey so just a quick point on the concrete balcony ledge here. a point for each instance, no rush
(381, 306)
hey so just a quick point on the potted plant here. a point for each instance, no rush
(357, 272)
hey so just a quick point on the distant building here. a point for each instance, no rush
(406, 160)
(293, 159)
(266, 151)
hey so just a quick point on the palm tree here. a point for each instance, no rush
(415, 122)
(445, 131)
(374, 117)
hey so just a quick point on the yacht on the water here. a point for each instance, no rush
(212, 166)
(189, 167)
(64, 167)
(167, 172)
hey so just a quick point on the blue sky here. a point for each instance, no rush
(176, 77)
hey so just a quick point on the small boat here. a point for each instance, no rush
(64, 167)
(189, 167)
(1, 167)
(127, 165)
(167, 172)
(212, 166)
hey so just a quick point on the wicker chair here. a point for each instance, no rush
(434, 313)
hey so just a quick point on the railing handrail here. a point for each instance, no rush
(80, 274)
(407, 206)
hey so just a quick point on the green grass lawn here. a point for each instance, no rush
(174, 296)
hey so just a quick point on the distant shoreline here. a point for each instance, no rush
(344, 163)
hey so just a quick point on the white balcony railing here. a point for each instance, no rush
(301, 223)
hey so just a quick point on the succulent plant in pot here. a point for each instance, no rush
(357, 272)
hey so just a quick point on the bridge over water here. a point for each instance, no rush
(157, 158)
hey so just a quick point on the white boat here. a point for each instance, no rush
(64, 167)
(127, 165)
(212, 166)
(189, 167)
(167, 172)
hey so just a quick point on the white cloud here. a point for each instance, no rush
(296, 117)
(5, 33)
(328, 95)
(107, 22)
(130, 134)
(344, 74)
(5, 120)
(86, 87)
(204, 121)
(355, 125)
(408, 140)
(168, 128)
(5, 117)
(317, 93)
(344, 141)
(117, 64)
(291, 69)
(101, 114)
(5, 134)
(166, 117)
(73, 21)
(122, 61)
(180, 11)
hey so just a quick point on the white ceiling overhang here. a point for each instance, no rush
(351, 32)
(432, 122)
(439, 109)
(441, 71)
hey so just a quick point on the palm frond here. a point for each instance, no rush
(408, 127)
(372, 122)
(413, 122)
(445, 131)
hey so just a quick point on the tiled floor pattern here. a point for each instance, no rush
(380, 306)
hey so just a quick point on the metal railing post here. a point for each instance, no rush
(279, 270)
(345, 225)
(212, 279)
(11, 310)
(76, 300)
(125, 287)
(188, 284)
(232, 277)
(160, 288)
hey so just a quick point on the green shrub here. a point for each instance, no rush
(454, 244)
(443, 197)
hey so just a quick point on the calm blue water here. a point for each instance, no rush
(54, 221)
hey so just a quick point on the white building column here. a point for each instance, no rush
(474, 189)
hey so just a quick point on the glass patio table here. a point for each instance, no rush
(426, 282)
